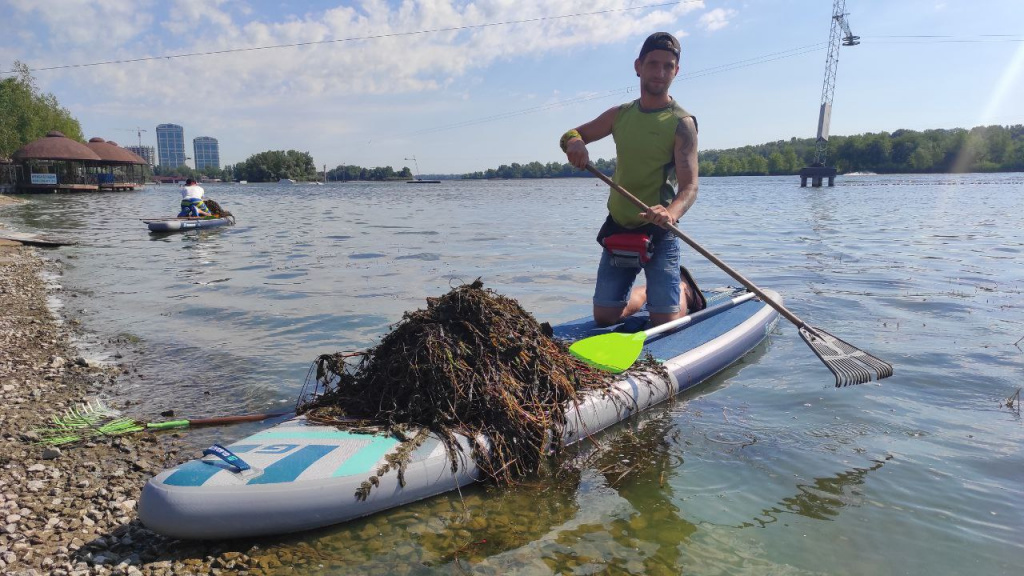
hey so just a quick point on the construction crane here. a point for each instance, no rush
(840, 34)
(139, 130)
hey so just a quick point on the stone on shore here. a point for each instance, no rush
(73, 509)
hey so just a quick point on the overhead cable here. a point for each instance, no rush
(356, 38)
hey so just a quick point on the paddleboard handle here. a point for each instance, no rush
(226, 455)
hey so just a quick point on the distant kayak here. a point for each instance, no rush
(181, 224)
(300, 475)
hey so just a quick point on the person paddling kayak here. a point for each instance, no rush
(655, 139)
(192, 200)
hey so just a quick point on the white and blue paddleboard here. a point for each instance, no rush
(298, 475)
(182, 224)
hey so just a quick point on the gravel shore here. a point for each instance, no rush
(71, 510)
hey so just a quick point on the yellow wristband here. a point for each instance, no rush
(564, 142)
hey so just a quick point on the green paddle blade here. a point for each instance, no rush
(613, 352)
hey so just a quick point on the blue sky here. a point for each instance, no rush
(468, 85)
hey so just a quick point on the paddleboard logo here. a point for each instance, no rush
(227, 456)
(275, 449)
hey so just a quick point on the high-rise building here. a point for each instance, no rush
(146, 152)
(170, 145)
(207, 152)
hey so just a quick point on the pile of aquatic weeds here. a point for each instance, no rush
(473, 362)
(215, 209)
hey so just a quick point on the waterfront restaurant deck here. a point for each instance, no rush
(57, 163)
(118, 169)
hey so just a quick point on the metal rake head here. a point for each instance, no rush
(849, 364)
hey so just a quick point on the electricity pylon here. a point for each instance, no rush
(840, 34)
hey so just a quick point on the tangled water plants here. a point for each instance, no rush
(472, 363)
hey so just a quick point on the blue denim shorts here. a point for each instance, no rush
(662, 273)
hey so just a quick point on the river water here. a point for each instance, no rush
(766, 469)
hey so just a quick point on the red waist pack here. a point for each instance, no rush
(629, 249)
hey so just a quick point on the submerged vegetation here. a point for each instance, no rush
(473, 363)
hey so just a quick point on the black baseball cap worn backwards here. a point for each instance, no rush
(660, 41)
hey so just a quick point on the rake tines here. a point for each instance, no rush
(850, 364)
(120, 426)
(84, 415)
(78, 422)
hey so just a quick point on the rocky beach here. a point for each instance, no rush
(71, 509)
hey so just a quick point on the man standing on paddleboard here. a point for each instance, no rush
(655, 139)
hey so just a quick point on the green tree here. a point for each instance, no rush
(791, 162)
(182, 171)
(347, 173)
(922, 159)
(777, 164)
(26, 114)
(878, 150)
(1000, 145)
(274, 165)
(727, 166)
(904, 144)
(987, 148)
(755, 164)
(212, 172)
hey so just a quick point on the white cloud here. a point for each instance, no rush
(716, 19)
(349, 52)
(75, 23)
(368, 47)
(185, 15)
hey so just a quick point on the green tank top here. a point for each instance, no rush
(644, 158)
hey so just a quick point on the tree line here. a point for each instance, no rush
(184, 171)
(538, 170)
(273, 165)
(346, 173)
(980, 149)
(268, 166)
(27, 115)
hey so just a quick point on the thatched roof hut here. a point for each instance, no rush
(55, 146)
(118, 169)
(110, 152)
(58, 163)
